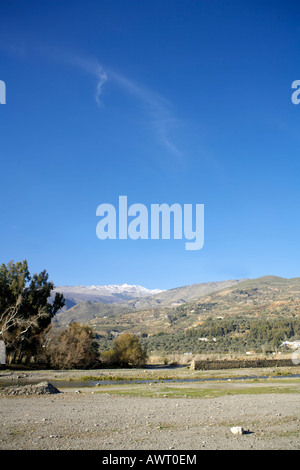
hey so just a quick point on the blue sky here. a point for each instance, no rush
(182, 101)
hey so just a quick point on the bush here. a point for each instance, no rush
(71, 348)
(126, 351)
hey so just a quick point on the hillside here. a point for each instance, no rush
(266, 296)
(181, 295)
(87, 311)
(86, 307)
(105, 294)
(252, 314)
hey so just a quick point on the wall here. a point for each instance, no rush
(237, 364)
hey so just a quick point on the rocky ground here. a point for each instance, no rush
(197, 416)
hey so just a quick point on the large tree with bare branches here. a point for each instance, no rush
(25, 310)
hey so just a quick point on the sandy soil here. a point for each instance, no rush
(166, 417)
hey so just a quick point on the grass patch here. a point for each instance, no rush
(178, 392)
(107, 378)
(124, 378)
(282, 373)
(162, 427)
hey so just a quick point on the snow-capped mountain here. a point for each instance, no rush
(106, 294)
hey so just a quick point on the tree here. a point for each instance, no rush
(126, 351)
(71, 347)
(25, 312)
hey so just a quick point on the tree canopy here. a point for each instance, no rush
(126, 351)
(25, 309)
(71, 347)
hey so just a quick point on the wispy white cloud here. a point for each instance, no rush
(156, 107)
(90, 66)
(102, 79)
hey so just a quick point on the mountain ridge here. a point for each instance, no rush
(114, 293)
(79, 311)
(265, 297)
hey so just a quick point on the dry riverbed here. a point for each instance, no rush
(154, 415)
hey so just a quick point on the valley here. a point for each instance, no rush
(232, 315)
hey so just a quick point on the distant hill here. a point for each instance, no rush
(181, 295)
(256, 316)
(104, 294)
(240, 315)
(187, 307)
(92, 302)
(87, 311)
(264, 297)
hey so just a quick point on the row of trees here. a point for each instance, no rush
(26, 313)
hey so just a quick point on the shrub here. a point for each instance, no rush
(126, 351)
(71, 347)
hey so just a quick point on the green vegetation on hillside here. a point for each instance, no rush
(235, 334)
(252, 315)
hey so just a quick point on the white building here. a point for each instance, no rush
(291, 344)
(2, 352)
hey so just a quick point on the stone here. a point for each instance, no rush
(42, 388)
(237, 430)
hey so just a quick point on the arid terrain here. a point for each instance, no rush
(154, 413)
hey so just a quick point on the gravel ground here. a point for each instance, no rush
(91, 420)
